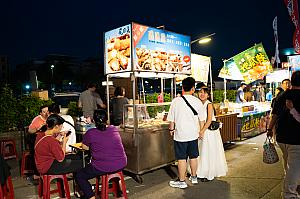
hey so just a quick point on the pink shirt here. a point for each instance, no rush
(37, 122)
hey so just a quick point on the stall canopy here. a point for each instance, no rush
(277, 76)
(230, 71)
(253, 64)
(199, 68)
(294, 62)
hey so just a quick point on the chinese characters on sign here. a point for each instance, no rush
(160, 51)
(137, 47)
(118, 50)
(253, 63)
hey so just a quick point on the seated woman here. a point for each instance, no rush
(50, 155)
(107, 151)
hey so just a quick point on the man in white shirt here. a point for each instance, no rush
(185, 128)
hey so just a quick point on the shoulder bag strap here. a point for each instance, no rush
(195, 112)
(70, 124)
(41, 140)
(213, 110)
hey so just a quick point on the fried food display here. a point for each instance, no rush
(158, 60)
(118, 52)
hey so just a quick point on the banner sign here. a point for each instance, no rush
(276, 40)
(230, 71)
(200, 67)
(253, 63)
(117, 53)
(254, 124)
(159, 50)
(292, 6)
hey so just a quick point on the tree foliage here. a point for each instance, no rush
(17, 113)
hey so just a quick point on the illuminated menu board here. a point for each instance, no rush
(160, 50)
(150, 49)
(118, 50)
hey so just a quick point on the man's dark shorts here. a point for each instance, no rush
(183, 150)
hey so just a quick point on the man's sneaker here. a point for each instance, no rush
(178, 184)
(193, 179)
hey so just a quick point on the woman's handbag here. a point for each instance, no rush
(214, 125)
(270, 155)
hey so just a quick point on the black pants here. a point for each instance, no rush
(30, 142)
(84, 175)
(70, 164)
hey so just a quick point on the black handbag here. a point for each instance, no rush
(214, 125)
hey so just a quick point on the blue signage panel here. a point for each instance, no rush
(159, 50)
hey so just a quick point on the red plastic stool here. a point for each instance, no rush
(8, 148)
(118, 184)
(7, 189)
(44, 186)
(27, 161)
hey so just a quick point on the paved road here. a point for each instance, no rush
(248, 178)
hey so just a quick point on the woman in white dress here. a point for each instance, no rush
(211, 160)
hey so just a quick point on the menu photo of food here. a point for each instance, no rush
(144, 60)
(175, 62)
(159, 60)
(118, 52)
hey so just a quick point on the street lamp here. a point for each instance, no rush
(203, 40)
(52, 68)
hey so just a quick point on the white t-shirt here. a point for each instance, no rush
(68, 127)
(186, 123)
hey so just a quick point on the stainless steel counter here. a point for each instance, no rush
(151, 148)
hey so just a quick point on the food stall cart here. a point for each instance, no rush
(250, 65)
(138, 51)
(253, 118)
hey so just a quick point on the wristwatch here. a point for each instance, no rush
(171, 129)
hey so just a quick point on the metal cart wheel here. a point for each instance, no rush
(138, 178)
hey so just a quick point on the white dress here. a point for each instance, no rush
(211, 161)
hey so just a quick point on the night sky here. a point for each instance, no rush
(33, 29)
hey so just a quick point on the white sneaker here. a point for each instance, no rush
(178, 184)
(193, 179)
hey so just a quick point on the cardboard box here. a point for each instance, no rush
(42, 94)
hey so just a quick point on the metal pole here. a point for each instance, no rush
(225, 89)
(161, 85)
(211, 82)
(107, 97)
(135, 123)
(171, 91)
(174, 83)
(143, 90)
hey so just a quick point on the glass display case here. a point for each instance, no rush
(152, 115)
(146, 138)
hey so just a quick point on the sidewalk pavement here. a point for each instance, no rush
(248, 178)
